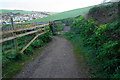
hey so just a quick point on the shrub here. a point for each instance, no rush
(29, 51)
(4, 61)
(37, 43)
(59, 27)
(16, 56)
(103, 42)
(94, 9)
(45, 37)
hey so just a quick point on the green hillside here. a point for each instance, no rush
(66, 14)
(15, 11)
(22, 11)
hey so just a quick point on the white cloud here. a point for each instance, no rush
(47, 5)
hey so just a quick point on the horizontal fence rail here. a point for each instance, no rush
(16, 33)
(32, 41)
(22, 29)
(24, 34)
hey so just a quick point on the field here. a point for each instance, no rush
(22, 11)
(64, 15)
(54, 16)
(15, 11)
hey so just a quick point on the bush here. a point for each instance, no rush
(83, 26)
(16, 56)
(45, 37)
(4, 61)
(12, 63)
(37, 43)
(29, 51)
(103, 43)
(94, 9)
(59, 27)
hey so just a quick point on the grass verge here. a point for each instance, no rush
(14, 67)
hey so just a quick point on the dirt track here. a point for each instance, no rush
(56, 61)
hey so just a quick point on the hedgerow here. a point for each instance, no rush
(103, 44)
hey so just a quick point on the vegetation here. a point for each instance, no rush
(14, 61)
(103, 7)
(104, 13)
(102, 45)
(63, 15)
(59, 26)
(22, 11)
(99, 43)
(15, 11)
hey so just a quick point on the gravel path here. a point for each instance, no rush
(56, 61)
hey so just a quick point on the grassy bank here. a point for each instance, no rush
(102, 44)
(14, 62)
(14, 67)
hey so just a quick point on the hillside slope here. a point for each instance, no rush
(101, 41)
(15, 11)
(23, 11)
(105, 13)
(66, 14)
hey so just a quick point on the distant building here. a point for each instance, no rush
(19, 18)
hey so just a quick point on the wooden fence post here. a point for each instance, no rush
(14, 34)
(52, 26)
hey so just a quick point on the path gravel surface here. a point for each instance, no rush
(56, 61)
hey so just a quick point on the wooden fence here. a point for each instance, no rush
(21, 29)
(30, 30)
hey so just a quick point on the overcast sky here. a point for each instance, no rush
(46, 5)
